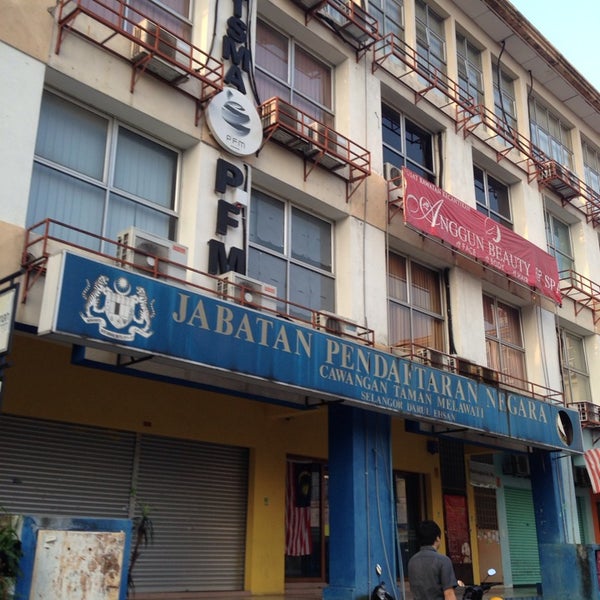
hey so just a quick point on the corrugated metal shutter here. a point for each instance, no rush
(522, 537)
(197, 494)
(62, 469)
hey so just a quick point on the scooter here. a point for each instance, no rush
(379, 592)
(476, 592)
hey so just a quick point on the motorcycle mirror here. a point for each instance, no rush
(379, 570)
(491, 572)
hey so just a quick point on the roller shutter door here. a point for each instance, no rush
(522, 537)
(197, 495)
(62, 469)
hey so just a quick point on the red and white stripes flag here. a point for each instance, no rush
(592, 463)
(298, 540)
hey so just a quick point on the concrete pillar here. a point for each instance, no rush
(361, 504)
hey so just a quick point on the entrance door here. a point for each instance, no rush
(306, 521)
(409, 511)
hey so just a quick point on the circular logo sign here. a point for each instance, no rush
(234, 122)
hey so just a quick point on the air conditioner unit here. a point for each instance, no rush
(139, 250)
(336, 17)
(153, 38)
(392, 172)
(332, 323)
(468, 368)
(327, 141)
(240, 289)
(435, 358)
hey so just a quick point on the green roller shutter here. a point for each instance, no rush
(522, 537)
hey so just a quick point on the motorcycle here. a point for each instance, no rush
(476, 592)
(379, 592)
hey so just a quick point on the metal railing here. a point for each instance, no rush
(123, 30)
(318, 143)
(50, 236)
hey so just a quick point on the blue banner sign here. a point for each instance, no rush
(102, 303)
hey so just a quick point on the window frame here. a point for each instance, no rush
(559, 149)
(323, 112)
(503, 342)
(401, 157)
(504, 98)
(551, 219)
(591, 165)
(287, 256)
(424, 45)
(486, 209)
(464, 47)
(378, 9)
(106, 184)
(412, 308)
(567, 368)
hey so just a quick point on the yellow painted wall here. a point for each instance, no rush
(42, 383)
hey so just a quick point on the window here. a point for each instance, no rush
(286, 70)
(558, 238)
(504, 100)
(172, 14)
(291, 249)
(470, 76)
(576, 381)
(503, 339)
(591, 165)
(415, 304)
(390, 15)
(93, 173)
(549, 134)
(492, 197)
(405, 144)
(431, 45)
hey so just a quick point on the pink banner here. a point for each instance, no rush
(431, 210)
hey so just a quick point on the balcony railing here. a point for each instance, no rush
(552, 175)
(150, 47)
(49, 237)
(584, 292)
(315, 142)
(347, 19)
(391, 48)
(467, 368)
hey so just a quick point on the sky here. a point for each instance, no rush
(572, 27)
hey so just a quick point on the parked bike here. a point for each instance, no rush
(476, 592)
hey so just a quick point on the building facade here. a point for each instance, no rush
(293, 276)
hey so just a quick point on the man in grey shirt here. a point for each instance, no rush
(431, 574)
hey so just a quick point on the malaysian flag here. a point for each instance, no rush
(298, 540)
(592, 463)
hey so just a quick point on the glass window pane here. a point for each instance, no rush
(145, 168)
(399, 324)
(312, 78)
(427, 331)
(269, 269)
(72, 136)
(310, 289)
(509, 328)
(58, 196)
(266, 221)
(425, 289)
(397, 278)
(419, 145)
(123, 213)
(489, 316)
(271, 51)
(311, 240)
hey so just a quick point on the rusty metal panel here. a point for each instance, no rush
(78, 565)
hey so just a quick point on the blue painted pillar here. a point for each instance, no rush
(361, 503)
(568, 569)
